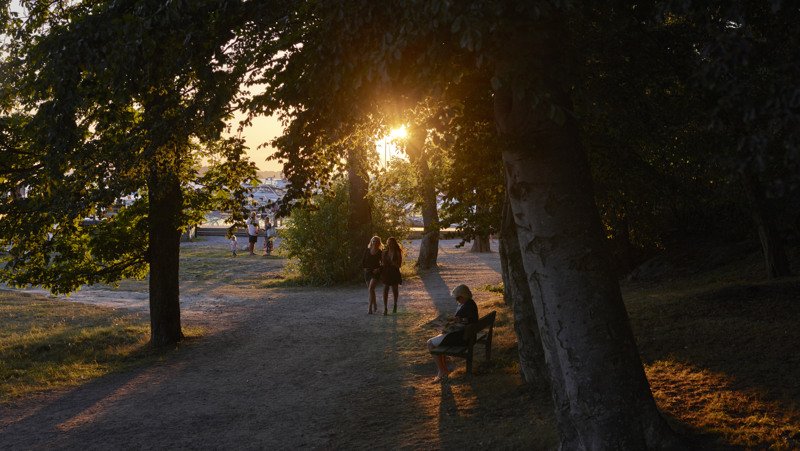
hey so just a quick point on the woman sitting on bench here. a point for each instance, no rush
(453, 333)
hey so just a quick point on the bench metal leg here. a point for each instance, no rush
(469, 364)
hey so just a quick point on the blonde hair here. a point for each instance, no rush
(376, 237)
(461, 290)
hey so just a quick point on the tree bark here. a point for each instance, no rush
(517, 294)
(481, 244)
(429, 245)
(602, 397)
(360, 215)
(771, 241)
(165, 206)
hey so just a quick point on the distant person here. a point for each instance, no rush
(252, 232)
(391, 261)
(234, 246)
(453, 332)
(269, 234)
(371, 262)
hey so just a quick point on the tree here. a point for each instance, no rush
(413, 50)
(473, 183)
(359, 224)
(749, 68)
(585, 328)
(120, 98)
(517, 294)
(418, 152)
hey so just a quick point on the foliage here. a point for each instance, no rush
(472, 181)
(389, 194)
(317, 236)
(645, 132)
(395, 197)
(106, 100)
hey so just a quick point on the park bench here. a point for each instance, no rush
(480, 332)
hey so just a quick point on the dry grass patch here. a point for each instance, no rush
(47, 343)
(721, 356)
(708, 403)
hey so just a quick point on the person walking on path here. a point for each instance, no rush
(453, 331)
(391, 261)
(371, 262)
(269, 233)
(252, 232)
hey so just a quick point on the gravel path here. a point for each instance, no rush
(280, 368)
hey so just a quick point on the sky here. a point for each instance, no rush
(262, 130)
(265, 128)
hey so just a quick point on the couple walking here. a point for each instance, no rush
(382, 266)
(253, 229)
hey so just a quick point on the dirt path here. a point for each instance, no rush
(280, 368)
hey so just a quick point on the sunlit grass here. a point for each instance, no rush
(708, 402)
(720, 351)
(409, 269)
(497, 288)
(47, 343)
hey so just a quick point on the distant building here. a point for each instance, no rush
(275, 182)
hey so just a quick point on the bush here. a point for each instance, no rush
(318, 239)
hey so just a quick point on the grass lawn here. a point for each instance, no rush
(47, 343)
(720, 349)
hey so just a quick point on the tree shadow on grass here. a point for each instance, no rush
(724, 358)
(512, 414)
(56, 418)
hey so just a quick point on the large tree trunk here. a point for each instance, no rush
(602, 396)
(165, 206)
(360, 215)
(771, 242)
(517, 294)
(429, 246)
(481, 244)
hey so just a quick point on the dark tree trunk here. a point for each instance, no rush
(481, 244)
(429, 246)
(165, 206)
(602, 397)
(762, 213)
(360, 215)
(517, 294)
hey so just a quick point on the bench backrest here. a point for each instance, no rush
(471, 331)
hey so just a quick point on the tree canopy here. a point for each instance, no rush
(640, 123)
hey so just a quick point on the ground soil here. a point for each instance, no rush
(295, 367)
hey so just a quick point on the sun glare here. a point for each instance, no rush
(391, 146)
(398, 132)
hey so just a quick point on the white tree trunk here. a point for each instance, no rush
(602, 396)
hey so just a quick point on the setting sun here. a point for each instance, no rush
(391, 146)
(398, 133)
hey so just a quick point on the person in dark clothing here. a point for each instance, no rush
(371, 262)
(453, 332)
(391, 262)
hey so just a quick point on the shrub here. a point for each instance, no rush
(318, 239)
